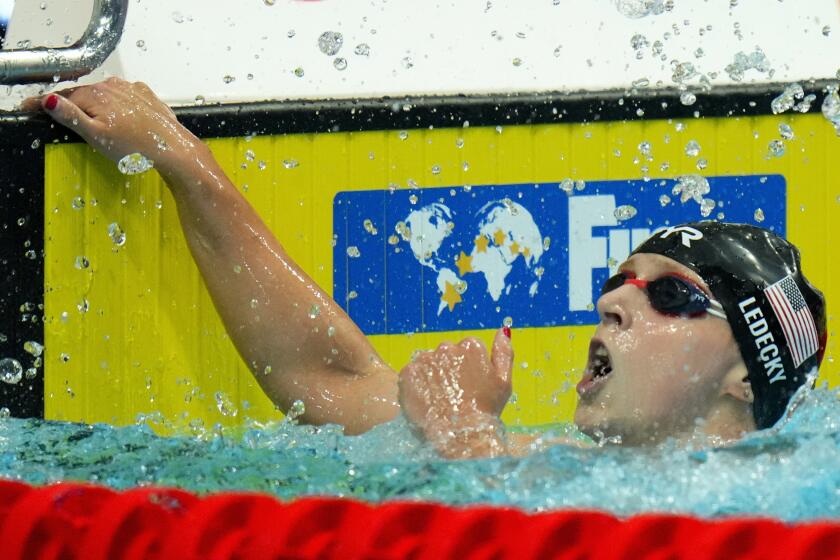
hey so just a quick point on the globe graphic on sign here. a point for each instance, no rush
(500, 233)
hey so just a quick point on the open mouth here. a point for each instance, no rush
(599, 359)
(598, 368)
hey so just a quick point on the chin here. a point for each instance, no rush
(589, 419)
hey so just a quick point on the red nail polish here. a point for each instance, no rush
(506, 330)
(51, 102)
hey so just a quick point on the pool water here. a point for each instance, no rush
(791, 472)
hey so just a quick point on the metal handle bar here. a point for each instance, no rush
(59, 64)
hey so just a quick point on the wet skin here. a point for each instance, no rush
(667, 370)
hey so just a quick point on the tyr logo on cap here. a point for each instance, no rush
(689, 234)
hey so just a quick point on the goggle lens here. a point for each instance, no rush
(670, 295)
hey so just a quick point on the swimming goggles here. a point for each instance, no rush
(670, 295)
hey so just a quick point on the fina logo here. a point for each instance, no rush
(588, 252)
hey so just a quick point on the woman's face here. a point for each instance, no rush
(666, 370)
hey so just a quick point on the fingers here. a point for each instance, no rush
(31, 104)
(67, 113)
(502, 356)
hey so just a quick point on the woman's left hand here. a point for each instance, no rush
(453, 396)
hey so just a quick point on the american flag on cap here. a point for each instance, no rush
(795, 318)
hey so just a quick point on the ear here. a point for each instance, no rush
(736, 384)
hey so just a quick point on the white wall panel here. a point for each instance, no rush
(464, 46)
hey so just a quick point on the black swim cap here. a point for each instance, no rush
(776, 315)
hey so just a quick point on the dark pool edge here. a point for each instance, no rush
(444, 111)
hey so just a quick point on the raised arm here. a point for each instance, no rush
(298, 343)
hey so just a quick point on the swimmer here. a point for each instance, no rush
(706, 331)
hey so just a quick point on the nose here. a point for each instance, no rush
(613, 308)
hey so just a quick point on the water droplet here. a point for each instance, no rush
(687, 98)
(199, 100)
(228, 78)
(135, 163)
(331, 331)
(759, 215)
(831, 107)
(664, 200)
(580, 184)
(517, 61)
(177, 17)
(290, 163)
(314, 311)
(706, 207)
(776, 148)
(141, 44)
(340, 63)
(624, 212)
(507, 322)
(644, 148)
(436, 169)
(786, 131)
(407, 62)
(33, 348)
(787, 98)
(11, 371)
(702, 163)
(36, 143)
(116, 234)
(253, 303)
(567, 185)
(298, 72)
(82, 262)
(640, 83)
(30, 373)
(692, 148)
(295, 411)
(225, 404)
(83, 306)
(393, 239)
(31, 255)
(636, 9)
(558, 50)
(369, 227)
(250, 155)
(826, 30)
(403, 134)
(690, 187)
(353, 252)
(261, 165)
(362, 49)
(5, 412)
(330, 42)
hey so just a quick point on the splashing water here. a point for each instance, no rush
(776, 148)
(743, 62)
(116, 233)
(133, 164)
(787, 99)
(330, 42)
(636, 9)
(788, 472)
(11, 371)
(225, 404)
(624, 212)
(691, 187)
(831, 107)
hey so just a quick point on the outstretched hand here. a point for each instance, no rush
(118, 118)
(453, 396)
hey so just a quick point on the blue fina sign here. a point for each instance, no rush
(455, 258)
